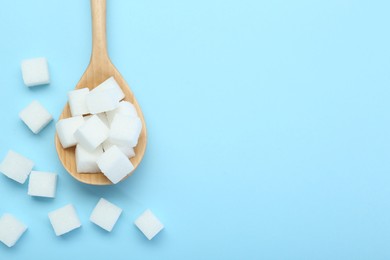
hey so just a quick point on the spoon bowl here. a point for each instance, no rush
(99, 69)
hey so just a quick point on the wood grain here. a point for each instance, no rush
(99, 69)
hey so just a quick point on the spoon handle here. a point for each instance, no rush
(99, 42)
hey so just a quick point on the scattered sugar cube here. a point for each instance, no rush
(102, 101)
(92, 133)
(124, 108)
(114, 164)
(42, 184)
(86, 159)
(111, 83)
(35, 116)
(64, 220)
(126, 150)
(35, 72)
(77, 101)
(66, 129)
(11, 229)
(125, 130)
(16, 166)
(105, 214)
(149, 224)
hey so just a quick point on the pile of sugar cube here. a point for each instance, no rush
(103, 128)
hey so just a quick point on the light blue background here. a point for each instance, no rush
(268, 127)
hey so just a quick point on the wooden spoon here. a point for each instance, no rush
(99, 69)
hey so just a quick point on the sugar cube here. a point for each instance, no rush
(105, 214)
(42, 184)
(92, 133)
(102, 101)
(149, 224)
(77, 101)
(103, 118)
(35, 72)
(114, 164)
(66, 129)
(124, 108)
(11, 229)
(126, 150)
(64, 220)
(35, 116)
(88, 117)
(86, 159)
(111, 83)
(125, 130)
(16, 166)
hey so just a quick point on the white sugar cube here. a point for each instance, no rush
(149, 224)
(11, 229)
(111, 84)
(66, 129)
(105, 214)
(35, 72)
(42, 184)
(64, 220)
(125, 130)
(77, 101)
(87, 117)
(86, 159)
(92, 133)
(103, 118)
(126, 150)
(114, 164)
(35, 116)
(102, 101)
(16, 166)
(124, 108)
